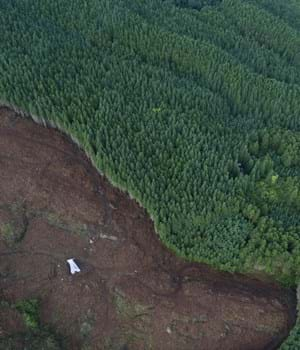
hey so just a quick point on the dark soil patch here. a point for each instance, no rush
(132, 293)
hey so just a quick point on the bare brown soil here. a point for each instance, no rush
(132, 293)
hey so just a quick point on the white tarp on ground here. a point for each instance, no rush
(73, 266)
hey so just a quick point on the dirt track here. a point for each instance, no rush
(132, 293)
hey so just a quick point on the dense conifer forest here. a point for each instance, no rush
(192, 106)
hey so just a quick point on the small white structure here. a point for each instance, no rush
(73, 266)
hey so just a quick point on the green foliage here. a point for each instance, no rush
(31, 340)
(14, 226)
(36, 336)
(293, 341)
(30, 312)
(7, 233)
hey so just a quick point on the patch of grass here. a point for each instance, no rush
(30, 312)
(115, 342)
(86, 330)
(14, 229)
(131, 310)
(30, 340)
(7, 233)
(36, 336)
(72, 227)
(137, 320)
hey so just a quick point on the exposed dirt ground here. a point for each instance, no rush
(132, 293)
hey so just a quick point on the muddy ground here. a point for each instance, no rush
(132, 293)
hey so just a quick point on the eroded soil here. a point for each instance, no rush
(132, 293)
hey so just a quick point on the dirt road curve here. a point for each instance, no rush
(132, 293)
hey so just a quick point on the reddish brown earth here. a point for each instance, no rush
(132, 293)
